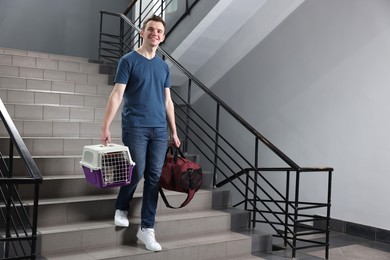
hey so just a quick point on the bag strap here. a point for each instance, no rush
(191, 192)
(175, 152)
(190, 195)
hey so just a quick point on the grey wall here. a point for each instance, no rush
(68, 27)
(318, 88)
(197, 13)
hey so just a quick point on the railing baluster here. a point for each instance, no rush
(296, 204)
(327, 228)
(100, 36)
(187, 116)
(216, 146)
(121, 43)
(287, 198)
(256, 180)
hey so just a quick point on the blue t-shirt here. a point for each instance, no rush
(144, 97)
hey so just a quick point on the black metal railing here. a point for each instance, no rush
(209, 127)
(18, 226)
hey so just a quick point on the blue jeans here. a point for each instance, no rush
(147, 147)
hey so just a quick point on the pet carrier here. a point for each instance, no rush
(107, 166)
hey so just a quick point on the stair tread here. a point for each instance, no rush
(96, 224)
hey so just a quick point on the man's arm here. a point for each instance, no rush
(113, 104)
(170, 110)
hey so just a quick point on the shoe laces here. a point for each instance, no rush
(149, 231)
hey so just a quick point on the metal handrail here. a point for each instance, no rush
(19, 224)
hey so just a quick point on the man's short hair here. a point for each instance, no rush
(155, 18)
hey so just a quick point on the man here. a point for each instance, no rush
(143, 79)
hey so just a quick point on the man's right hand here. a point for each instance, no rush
(105, 137)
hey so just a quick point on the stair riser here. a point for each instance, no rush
(39, 112)
(54, 146)
(41, 55)
(51, 166)
(49, 63)
(65, 211)
(15, 83)
(57, 188)
(216, 250)
(53, 99)
(61, 129)
(111, 236)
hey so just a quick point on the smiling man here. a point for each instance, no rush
(143, 82)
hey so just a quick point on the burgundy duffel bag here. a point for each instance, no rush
(180, 174)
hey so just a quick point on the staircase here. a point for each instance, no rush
(57, 104)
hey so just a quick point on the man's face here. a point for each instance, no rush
(153, 33)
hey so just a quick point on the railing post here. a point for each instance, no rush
(34, 225)
(251, 211)
(8, 201)
(100, 35)
(286, 208)
(162, 9)
(296, 206)
(216, 146)
(254, 217)
(140, 14)
(121, 35)
(328, 214)
(187, 116)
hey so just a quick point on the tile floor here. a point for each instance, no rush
(342, 247)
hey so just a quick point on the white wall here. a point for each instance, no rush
(318, 87)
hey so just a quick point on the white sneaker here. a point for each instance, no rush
(121, 218)
(146, 235)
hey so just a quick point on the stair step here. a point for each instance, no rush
(60, 128)
(15, 83)
(52, 165)
(50, 74)
(40, 112)
(60, 210)
(219, 245)
(27, 53)
(49, 63)
(64, 186)
(28, 97)
(54, 145)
